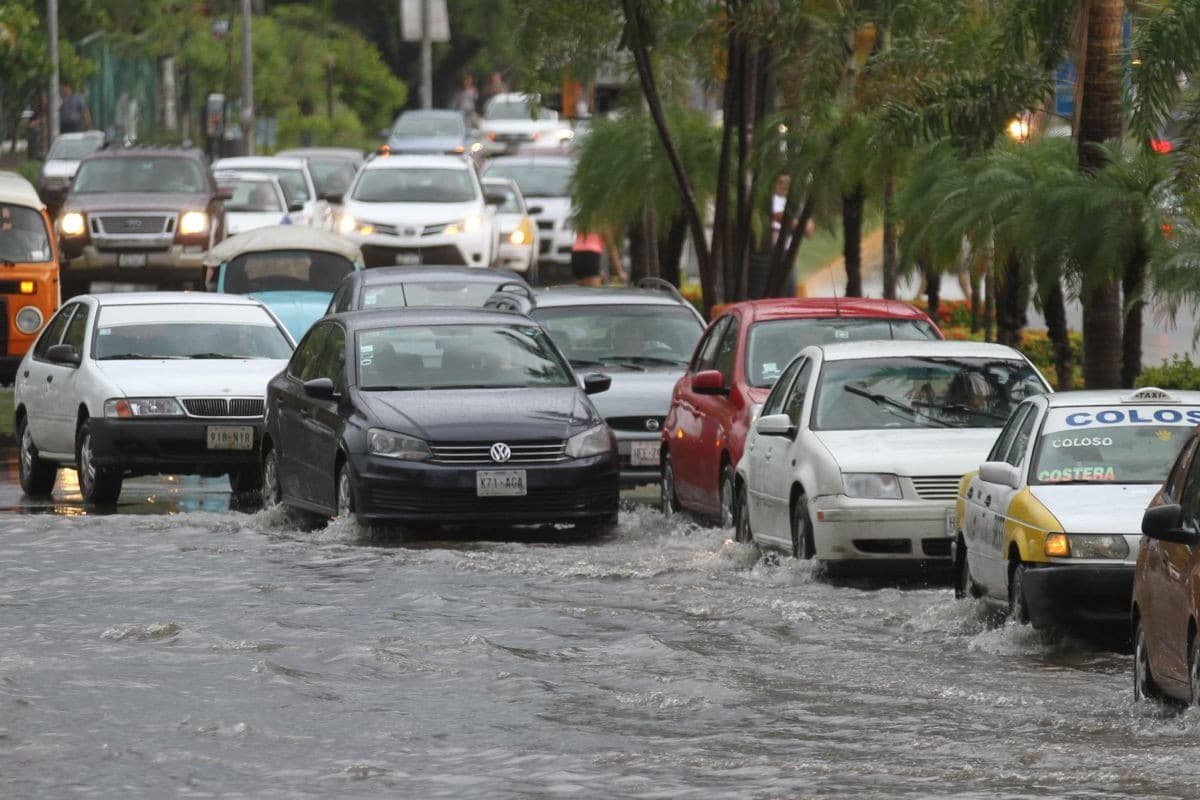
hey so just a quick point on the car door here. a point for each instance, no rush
(684, 430)
(321, 422)
(292, 443)
(67, 385)
(33, 388)
(759, 456)
(1175, 564)
(780, 473)
(714, 417)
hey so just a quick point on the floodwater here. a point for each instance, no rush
(179, 648)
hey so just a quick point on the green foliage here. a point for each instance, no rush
(1177, 372)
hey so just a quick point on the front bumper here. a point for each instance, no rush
(382, 250)
(174, 263)
(580, 490)
(851, 529)
(647, 470)
(169, 446)
(515, 257)
(1079, 595)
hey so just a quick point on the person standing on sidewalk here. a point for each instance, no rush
(74, 115)
(587, 254)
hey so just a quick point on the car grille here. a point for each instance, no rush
(545, 224)
(636, 424)
(549, 452)
(451, 502)
(223, 406)
(382, 256)
(134, 224)
(936, 487)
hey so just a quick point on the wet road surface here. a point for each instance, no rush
(180, 648)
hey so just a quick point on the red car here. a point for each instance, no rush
(732, 370)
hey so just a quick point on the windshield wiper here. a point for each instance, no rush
(136, 357)
(215, 355)
(884, 401)
(585, 362)
(674, 362)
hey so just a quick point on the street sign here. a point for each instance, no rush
(410, 20)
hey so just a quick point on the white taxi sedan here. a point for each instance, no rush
(144, 383)
(860, 446)
(1049, 524)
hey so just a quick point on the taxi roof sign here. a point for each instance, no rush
(1150, 394)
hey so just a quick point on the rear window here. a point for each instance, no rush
(286, 271)
(428, 293)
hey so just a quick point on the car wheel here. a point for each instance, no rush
(98, 485)
(668, 502)
(742, 533)
(964, 584)
(37, 476)
(727, 496)
(345, 492)
(1194, 670)
(272, 494)
(803, 547)
(245, 480)
(1144, 687)
(1017, 610)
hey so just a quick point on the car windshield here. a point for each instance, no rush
(285, 271)
(921, 392)
(23, 235)
(511, 204)
(415, 185)
(188, 331)
(295, 188)
(458, 357)
(772, 344)
(535, 180)
(637, 336)
(428, 125)
(516, 109)
(252, 195)
(73, 149)
(1134, 444)
(140, 175)
(332, 175)
(429, 293)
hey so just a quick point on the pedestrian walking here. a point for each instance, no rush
(587, 254)
(74, 115)
(466, 99)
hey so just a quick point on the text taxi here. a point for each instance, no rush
(1049, 525)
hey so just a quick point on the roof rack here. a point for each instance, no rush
(660, 285)
(512, 296)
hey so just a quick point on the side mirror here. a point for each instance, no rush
(709, 381)
(224, 193)
(775, 425)
(1165, 523)
(595, 382)
(295, 206)
(64, 354)
(533, 211)
(320, 389)
(495, 198)
(385, 133)
(332, 197)
(1000, 472)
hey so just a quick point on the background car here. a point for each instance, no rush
(518, 234)
(29, 291)
(255, 200)
(744, 351)
(139, 383)
(332, 168)
(434, 131)
(292, 270)
(400, 287)
(513, 119)
(57, 171)
(1049, 523)
(544, 181)
(860, 446)
(309, 207)
(642, 338)
(433, 416)
(421, 210)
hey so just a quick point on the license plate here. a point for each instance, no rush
(408, 258)
(500, 483)
(131, 259)
(644, 454)
(230, 437)
(951, 523)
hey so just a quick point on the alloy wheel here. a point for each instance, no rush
(727, 519)
(270, 482)
(345, 493)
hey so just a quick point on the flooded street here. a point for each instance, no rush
(180, 648)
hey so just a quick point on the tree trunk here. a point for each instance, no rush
(1100, 121)
(1010, 303)
(650, 239)
(1055, 310)
(933, 288)
(1133, 286)
(637, 255)
(891, 260)
(989, 301)
(670, 250)
(852, 221)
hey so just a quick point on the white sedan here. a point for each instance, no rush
(146, 383)
(859, 448)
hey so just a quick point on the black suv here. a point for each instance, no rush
(143, 215)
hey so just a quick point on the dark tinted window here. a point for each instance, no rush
(1174, 483)
(707, 351)
(727, 351)
(795, 398)
(305, 361)
(1004, 441)
(53, 332)
(779, 393)
(77, 329)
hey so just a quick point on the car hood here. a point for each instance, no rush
(242, 221)
(910, 451)
(192, 378)
(424, 144)
(135, 201)
(637, 394)
(60, 169)
(483, 415)
(1097, 508)
(411, 213)
(296, 310)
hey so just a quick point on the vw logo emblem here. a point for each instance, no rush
(652, 424)
(500, 452)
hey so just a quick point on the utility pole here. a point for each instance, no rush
(426, 57)
(247, 82)
(52, 27)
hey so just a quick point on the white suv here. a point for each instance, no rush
(420, 209)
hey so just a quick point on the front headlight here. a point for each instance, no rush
(1060, 545)
(127, 407)
(28, 319)
(592, 442)
(471, 224)
(396, 445)
(523, 233)
(72, 224)
(192, 223)
(872, 485)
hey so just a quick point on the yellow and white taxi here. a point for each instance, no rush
(1049, 525)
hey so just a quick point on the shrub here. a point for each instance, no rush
(951, 313)
(1177, 372)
